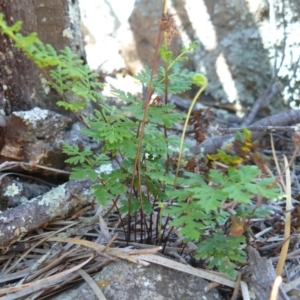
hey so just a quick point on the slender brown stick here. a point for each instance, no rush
(137, 162)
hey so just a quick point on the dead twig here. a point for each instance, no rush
(265, 129)
(145, 251)
(96, 247)
(287, 225)
(18, 292)
(287, 118)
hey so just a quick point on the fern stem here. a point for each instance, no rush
(184, 131)
(137, 162)
(166, 97)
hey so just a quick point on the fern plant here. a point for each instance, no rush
(137, 137)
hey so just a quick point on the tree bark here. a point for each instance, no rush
(57, 22)
(55, 204)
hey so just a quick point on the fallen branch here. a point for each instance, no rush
(287, 118)
(56, 204)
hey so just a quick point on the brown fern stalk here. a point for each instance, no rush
(137, 162)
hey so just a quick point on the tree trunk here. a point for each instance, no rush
(57, 22)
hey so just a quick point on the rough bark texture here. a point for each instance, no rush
(57, 23)
(263, 276)
(144, 24)
(56, 204)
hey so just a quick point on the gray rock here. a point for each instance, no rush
(126, 281)
(30, 137)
